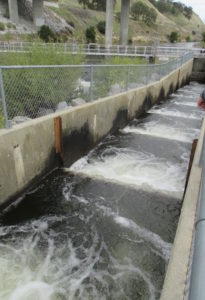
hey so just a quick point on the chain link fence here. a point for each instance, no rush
(29, 92)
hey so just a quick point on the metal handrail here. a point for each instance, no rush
(98, 49)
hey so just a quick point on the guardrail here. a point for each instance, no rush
(34, 91)
(97, 49)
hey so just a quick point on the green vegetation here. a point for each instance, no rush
(174, 8)
(2, 26)
(121, 60)
(42, 56)
(2, 121)
(174, 36)
(140, 11)
(110, 76)
(32, 89)
(140, 31)
(46, 34)
(90, 34)
(203, 37)
(188, 39)
(94, 4)
(101, 27)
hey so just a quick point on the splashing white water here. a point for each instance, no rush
(176, 113)
(192, 104)
(142, 170)
(164, 131)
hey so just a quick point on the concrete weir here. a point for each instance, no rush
(28, 150)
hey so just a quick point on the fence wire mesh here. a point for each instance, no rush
(29, 92)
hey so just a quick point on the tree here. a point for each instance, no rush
(85, 3)
(94, 4)
(174, 37)
(140, 11)
(188, 12)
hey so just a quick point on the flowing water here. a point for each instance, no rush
(104, 228)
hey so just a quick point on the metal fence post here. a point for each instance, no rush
(3, 99)
(91, 83)
(128, 78)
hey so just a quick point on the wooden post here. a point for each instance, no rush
(59, 139)
(178, 76)
(193, 149)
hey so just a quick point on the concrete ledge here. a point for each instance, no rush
(27, 151)
(175, 280)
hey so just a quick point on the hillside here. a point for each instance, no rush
(79, 19)
(73, 12)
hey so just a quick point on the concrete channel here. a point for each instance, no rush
(103, 226)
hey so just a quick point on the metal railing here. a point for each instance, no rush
(97, 49)
(33, 91)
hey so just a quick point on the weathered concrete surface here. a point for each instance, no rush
(109, 22)
(38, 13)
(27, 151)
(198, 72)
(176, 277)
(124, 22)
(13, 11)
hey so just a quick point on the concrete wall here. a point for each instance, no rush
(177, 273)
(38, 13)
(13, 11)
(27, 151)
(198, 73)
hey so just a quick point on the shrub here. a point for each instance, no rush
(174, 37)
(90, 34)
(9, 25)
(130, 41)
(2, 26)
(46, 34)
(101, 27)
(203, 37)
(188, 39)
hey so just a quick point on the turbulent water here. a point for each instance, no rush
(104, 228)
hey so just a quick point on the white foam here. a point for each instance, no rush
(175, 113)
(142, 170)
(147, 235)
(163, 131)
(191, 104)
(34, 290)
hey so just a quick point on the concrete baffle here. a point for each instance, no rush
(38, 13)
(13, 11)
(109, 22)
(124, 21)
